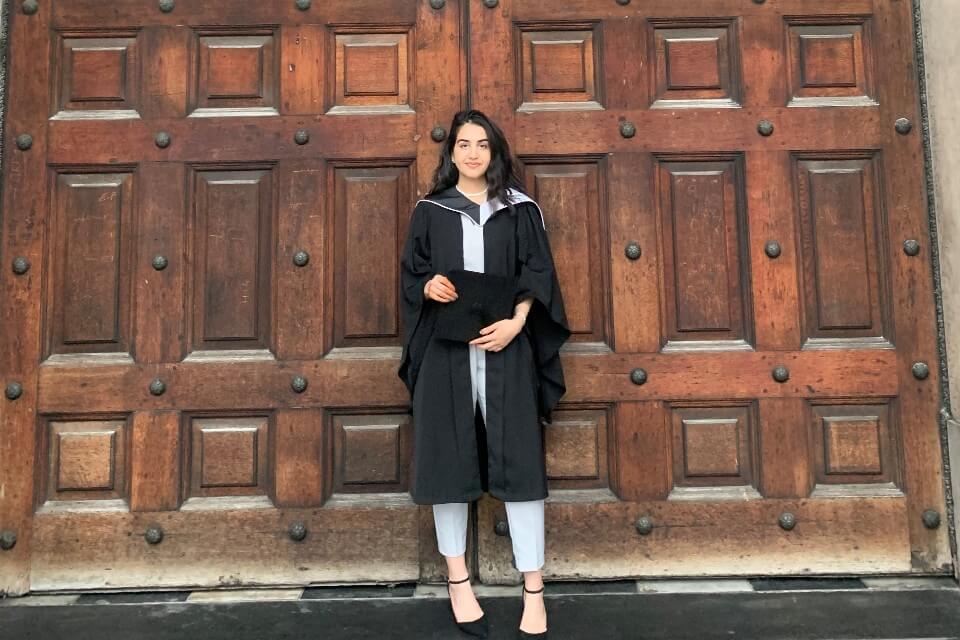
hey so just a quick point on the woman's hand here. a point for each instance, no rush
(499, 334)
(440, 289)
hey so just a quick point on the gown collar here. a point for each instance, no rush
(452, 199)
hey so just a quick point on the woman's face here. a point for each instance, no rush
(471, 151)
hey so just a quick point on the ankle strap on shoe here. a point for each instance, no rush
(528, 590)
(458, 581)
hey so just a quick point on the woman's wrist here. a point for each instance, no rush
(521, 310)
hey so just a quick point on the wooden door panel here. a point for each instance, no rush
(229, 185)
(231, 239)
(752, 157)
(715, 450)
(574, 189)
(96, 73)
(84, 461)
(831, 60)
(236, 69)
(558, 67)
(696, 62)
(855, 444)
(846, 289)
(701, 218)
(226, 456)
(578, 443)
(91, 250)
(370, 210)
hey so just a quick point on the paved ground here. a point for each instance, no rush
(878, 609)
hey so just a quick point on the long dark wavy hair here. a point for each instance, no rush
(501, 174)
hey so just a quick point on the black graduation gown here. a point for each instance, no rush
(524, 381)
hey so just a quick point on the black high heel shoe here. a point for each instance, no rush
(520, 632)
(479, 627)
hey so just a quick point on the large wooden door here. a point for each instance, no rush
(728, 197)
(207, 336)
(200, 328)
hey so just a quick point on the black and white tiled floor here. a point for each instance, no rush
(760, 609)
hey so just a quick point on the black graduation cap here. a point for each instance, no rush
(482, 299)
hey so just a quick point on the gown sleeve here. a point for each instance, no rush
(416, 311)
(546, 324)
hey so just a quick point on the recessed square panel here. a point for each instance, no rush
(86, 460)
(236, 73)
(229, 456)
(692, 63)
(695, 63)
(371, 453)
(98, 73)
(830, 60)
(576, 449)
(854, 444)
(713, 446)
(559, 67)
(246, 62)
(371, 71)
(234, 445)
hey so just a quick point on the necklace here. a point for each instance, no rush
(478, 193)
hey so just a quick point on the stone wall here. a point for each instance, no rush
(941, 62)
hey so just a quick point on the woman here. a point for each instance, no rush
(478, 406)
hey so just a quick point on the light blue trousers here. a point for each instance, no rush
(526, 531)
